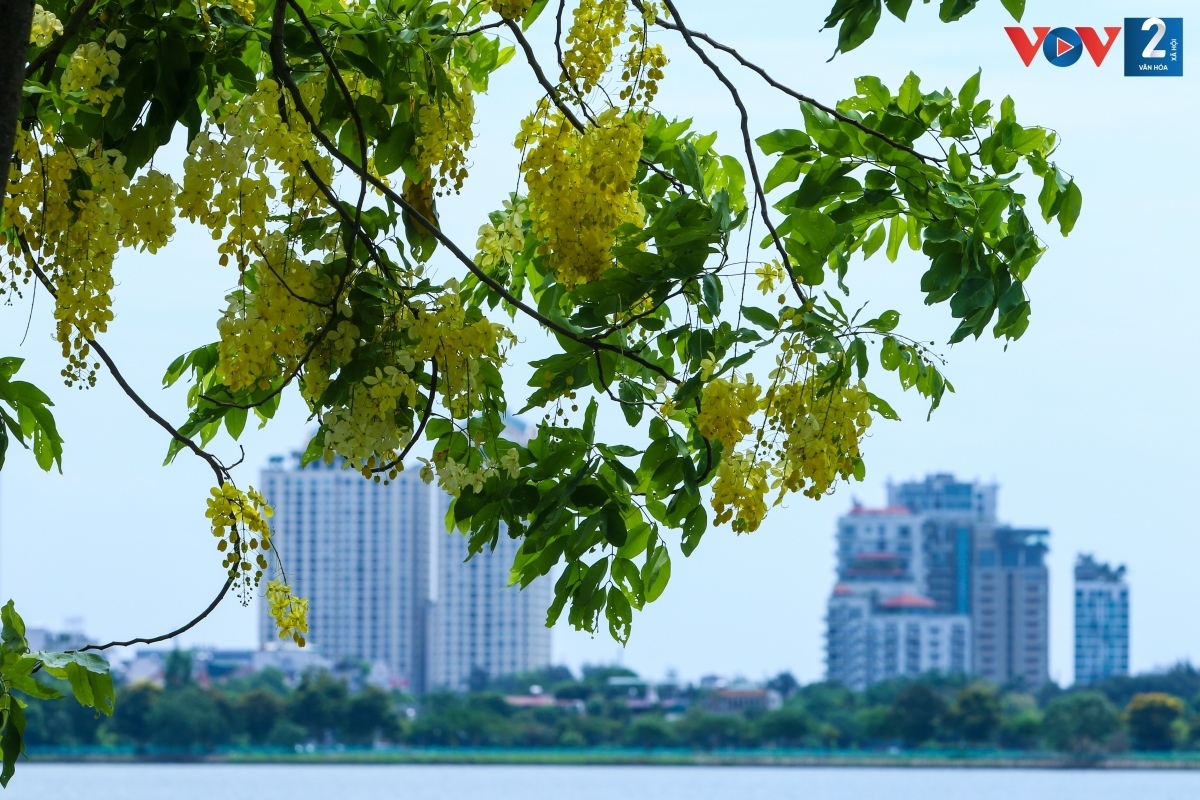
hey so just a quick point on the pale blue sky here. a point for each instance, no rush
(1088, 423)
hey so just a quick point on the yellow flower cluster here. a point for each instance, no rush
(460, 345)
(820, 434)
(289, 611)
(594, 33)
(726, 410)
(642, 69)
(809, 436)
(365, 431)
(263, 332)
(739, 492)
(244, 9)
(45, 26)
(229, 178)
(454, 477)
(239, 521)
(75, 210)
(511, 9)
(445, 134)
(500, 242)
(580, 188)
(88, 68)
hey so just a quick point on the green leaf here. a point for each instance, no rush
(881, 407)
(858, 20)
(889, 354)
(656, 573)
(235, 421)
(953, 10)
(1014, 7)
(899, 8)
(761, 318)
(619, 614)
(910, 94)
(970, 89)
(885, 322)
(874, 241)
(1068, 211)
(785, 170)
(12, 741)
(896, 232)
(783, 140)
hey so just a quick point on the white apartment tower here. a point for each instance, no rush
(360, 552)
(479, 624)
(387, 585)
(1101, 621)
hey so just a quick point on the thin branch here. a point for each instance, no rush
(803, 98)
(156, 639)
(50, 54)
(284, 73)
(746, 141)
(433, 382)
(218, 468)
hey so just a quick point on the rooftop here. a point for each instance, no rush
(907, 600)
(860, 511)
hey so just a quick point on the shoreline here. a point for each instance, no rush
(619, 757)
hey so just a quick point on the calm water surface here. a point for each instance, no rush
(413, 782)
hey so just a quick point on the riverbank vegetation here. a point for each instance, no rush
(612, 707)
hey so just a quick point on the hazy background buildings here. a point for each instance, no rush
(1101, 621)
(1041, 416)
(933, 582)
(389, 586)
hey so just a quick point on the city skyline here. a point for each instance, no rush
(1040, 418)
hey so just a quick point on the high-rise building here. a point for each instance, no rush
(881, 622)
(480, 626)
(1011, 609)
(952, 514)
(387, 585)
(932, 582)
(1101, 621)
(360, 552)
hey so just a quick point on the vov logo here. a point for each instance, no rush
(1062, 47)
(1153, 45)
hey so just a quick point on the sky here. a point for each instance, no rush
(1088, 423)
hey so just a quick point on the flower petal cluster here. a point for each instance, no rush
(45, 26)
(580, 188)
(239, 521)
(289, 612)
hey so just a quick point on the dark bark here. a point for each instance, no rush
(16, 20)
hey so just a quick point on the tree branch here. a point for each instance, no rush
(156, 639)
(72, 26)
(803, 98)
(16, 23)
(219, 469)
(747, 144)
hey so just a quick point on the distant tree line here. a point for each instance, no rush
(1155, 712)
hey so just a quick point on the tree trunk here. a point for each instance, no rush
(16, 21)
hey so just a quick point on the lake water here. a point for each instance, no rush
(418, 782)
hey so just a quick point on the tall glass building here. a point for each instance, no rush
(1101, 621)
